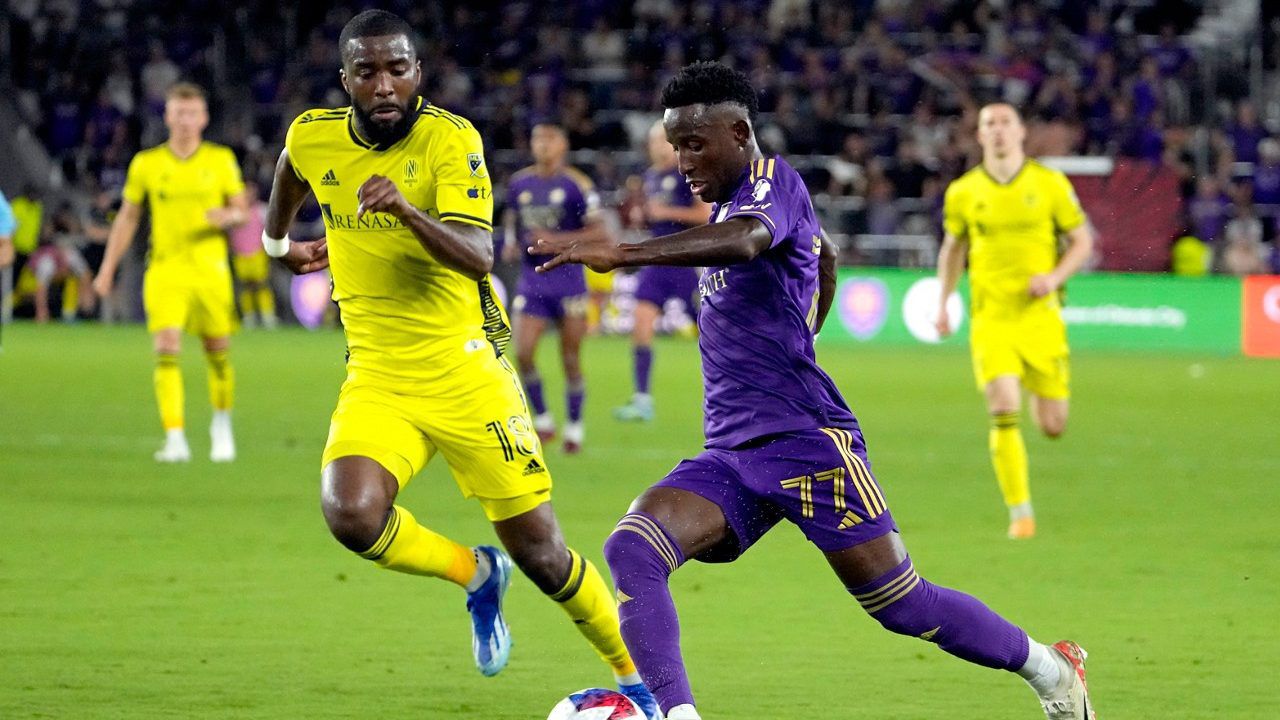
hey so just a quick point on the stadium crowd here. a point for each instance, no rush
(873, 100)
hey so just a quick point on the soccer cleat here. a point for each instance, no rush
(573, 435)
(175, 449)
(640, 409)
(1071, 700)
(683, 712)
(490, 636)
(223, 441)
(1022, 529)
(641, 696)
(545, 426)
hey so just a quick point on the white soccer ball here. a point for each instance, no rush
(596, 704)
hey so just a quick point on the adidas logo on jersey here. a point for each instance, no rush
(533, 468)
(329, 179)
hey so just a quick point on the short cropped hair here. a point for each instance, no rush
(373, 23)
(710, 83)
(185, 91)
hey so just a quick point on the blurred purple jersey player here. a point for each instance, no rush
(781, 443)
(669, 207)
(551, 200)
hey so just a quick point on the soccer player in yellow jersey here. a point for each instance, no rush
(1006, 215)
(195, 195)
(408, 208)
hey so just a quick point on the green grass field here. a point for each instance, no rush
(130, 590)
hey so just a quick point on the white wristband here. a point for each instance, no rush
(275, 248)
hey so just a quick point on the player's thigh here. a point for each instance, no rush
(485, 433)
(376, 423)
(251, 269)
(993, 347)
(821, 480)
(646, 318)
(703, 504)
(166, 299)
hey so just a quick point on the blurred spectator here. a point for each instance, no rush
(1245, 253)
(58, 260)
(847, 169)
(1208, 210)
(1266, 176)
(883, 215)
(1244, 133)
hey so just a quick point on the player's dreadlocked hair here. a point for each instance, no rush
(373, 23)
(710, 83)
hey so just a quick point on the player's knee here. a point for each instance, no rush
(545, 563)
(639, 546)
(1053, 429)
(904, 613)
(356, 522)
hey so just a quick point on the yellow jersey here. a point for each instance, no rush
(179, 193)
(410, 321)
(1012, 229)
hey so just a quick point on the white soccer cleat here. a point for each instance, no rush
(573, 436)
(223, 448)
(545, 426)
(1070, 701)
(175, 448)
(683, 712)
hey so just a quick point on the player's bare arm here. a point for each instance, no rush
(828, 256)
(1079, 248)
(734, 241)
(6, 251)
(288, 191)
(465, 248)
(950, 266)
(123, 228)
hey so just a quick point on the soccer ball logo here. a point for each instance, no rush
(596, 704)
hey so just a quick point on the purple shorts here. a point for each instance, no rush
(820, 480)
(659, 284)
(552, 306)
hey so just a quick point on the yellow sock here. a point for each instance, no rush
(70, 298)
(1009, 456)
(407, 547)
(168, 382)
(266, 302)
(246, 302)
(222, 379)
(588, 601)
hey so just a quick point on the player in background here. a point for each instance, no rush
(780, 440)
(551, 200)
(252, 266)
(8, 225)
(408, 206)
(195, 196)
(669, 208)
(1006, 216)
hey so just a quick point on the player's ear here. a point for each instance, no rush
(342, 77)
(741, 132)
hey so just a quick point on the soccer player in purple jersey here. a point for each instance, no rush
(669, 207)
(556, 202)
(780, 441)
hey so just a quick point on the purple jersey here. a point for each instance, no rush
(668, 188)
(756, 320)
(558, 203)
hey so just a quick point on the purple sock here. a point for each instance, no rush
(576, 393)
(533, 388)
(641, 556)
(643, 363)
(907, 604)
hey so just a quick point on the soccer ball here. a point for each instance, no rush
(596, 704)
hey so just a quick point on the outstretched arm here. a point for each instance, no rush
(460, 246)
(734, 241)
(287, 193)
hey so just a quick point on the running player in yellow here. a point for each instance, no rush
(1006, 215)
(408, 207)
(195, 195)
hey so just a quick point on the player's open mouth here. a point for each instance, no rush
(696, 186)
(385, 113)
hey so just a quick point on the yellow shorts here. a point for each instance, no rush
(1033, 350)
(598, 282)
(252, 268)
(480, 423)
(196, 300)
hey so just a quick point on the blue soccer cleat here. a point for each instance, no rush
(641, 696)
(490, 636)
